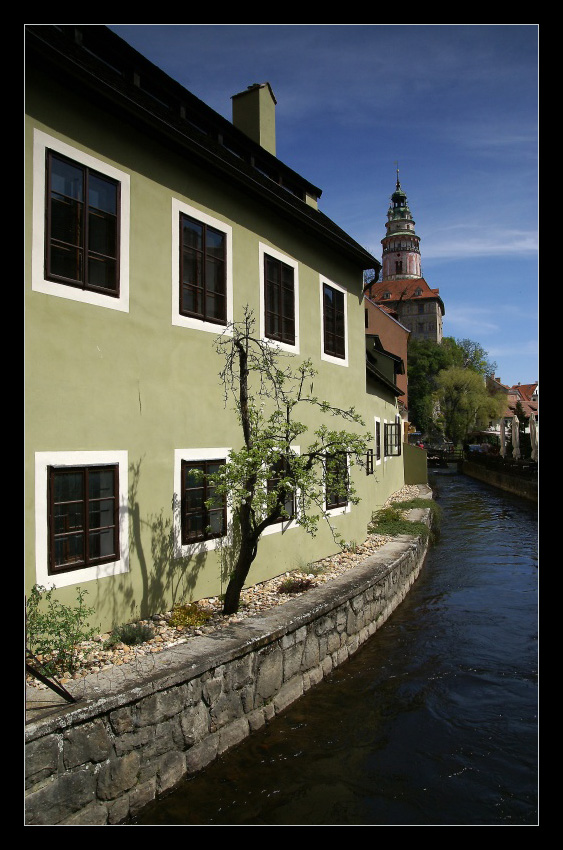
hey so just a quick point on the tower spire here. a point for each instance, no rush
(401, 251)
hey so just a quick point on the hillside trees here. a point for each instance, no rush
(465, 404)
(266, 480)
(426, 361)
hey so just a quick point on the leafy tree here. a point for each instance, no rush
(426, 359)
(264, 478)
(471, 355)
(465, 403)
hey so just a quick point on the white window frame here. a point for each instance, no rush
(43, 460)
(186, 550)
(377, 460)
(193, 322)
(329, 358)
(264, 249)
(39, 283)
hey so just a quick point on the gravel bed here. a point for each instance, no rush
(94, 656)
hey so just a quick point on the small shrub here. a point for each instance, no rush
(295, 585)
(314, 569)
(434, 507)
(131, 634)
(54, 630)
(188, 615)
(391, 521)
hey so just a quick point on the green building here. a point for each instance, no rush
(151, 222)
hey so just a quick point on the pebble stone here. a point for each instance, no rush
(93, 657)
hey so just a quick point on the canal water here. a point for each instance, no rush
(433, 722)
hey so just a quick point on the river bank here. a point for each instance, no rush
(433, 722)
(140, 727)
(97, 656)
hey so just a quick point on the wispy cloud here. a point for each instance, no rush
(525, 346)
(470, 319)
(461, 241)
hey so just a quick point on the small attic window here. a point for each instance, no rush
(418, 291)
(387, 295)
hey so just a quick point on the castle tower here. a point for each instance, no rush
(401, 245)
(402, 291)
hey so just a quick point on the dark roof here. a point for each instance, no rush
(378, 376)
(101, 66)
(373, 343)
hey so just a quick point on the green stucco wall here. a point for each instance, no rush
(101, 379)
(416, 469)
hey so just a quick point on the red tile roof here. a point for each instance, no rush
(525, 391)
(401, 289)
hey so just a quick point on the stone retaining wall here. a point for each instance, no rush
(129, 740)
(525, 487)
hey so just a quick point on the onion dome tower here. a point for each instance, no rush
(401, 245)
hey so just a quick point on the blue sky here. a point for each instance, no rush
(454, 104)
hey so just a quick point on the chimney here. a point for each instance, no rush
(254, 112)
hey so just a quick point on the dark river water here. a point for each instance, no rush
(433, 722)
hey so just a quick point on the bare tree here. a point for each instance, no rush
(267, 481)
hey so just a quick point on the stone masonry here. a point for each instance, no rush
(133, 738)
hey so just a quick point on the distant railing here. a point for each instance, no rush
(526, 468)
(443, 456)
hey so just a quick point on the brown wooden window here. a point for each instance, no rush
(393, 438)
(278, 473)
(334, 322)
(201, 521)
(203, 275)
(83, 511)
(82, 221)
(336, 480)
(279, 300)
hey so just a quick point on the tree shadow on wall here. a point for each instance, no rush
(167, 577)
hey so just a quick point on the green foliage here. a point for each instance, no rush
(188, 615)
(131, 634)
(391, 520)
(316, 569)
(295, 585)
(426, 360)
(266, 475)
(430, 504)
(465, 403)
(470, 355)
(54, 630)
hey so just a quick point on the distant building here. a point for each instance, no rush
(402, 288)
(527, 395)
(383, 328)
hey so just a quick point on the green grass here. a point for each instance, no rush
(391, 520)
(131, 634)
